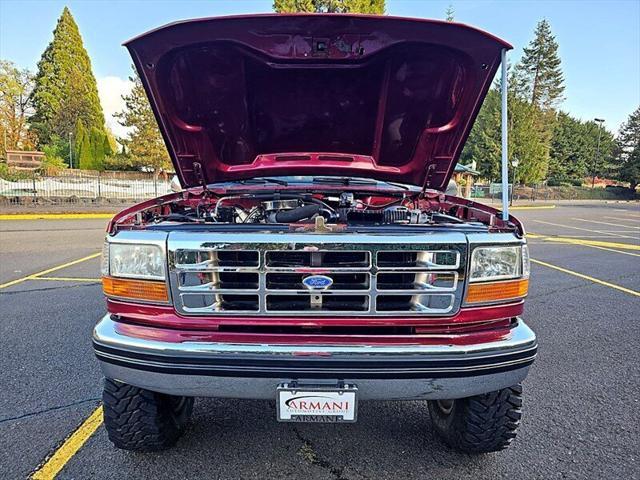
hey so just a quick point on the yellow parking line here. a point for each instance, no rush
(34, 276)
(532, 207)
(586, 243)
(587, 277)
(54, 216)
(72, 279)
(70, 447)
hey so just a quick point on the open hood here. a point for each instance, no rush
(352, 95)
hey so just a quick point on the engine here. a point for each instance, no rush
(346, 208)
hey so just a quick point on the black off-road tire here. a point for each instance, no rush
(480, 424)
(142, 420)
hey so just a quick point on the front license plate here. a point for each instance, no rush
(325, 404)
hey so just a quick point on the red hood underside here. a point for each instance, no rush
(367, 96)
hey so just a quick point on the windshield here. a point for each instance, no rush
(304, 180)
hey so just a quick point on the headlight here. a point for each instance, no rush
(498, 263)
(133, 261)
(498, 274)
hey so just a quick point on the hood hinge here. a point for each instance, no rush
(427, 179)
(199, 173)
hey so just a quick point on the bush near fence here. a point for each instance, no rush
(82, 186)
(545, 193)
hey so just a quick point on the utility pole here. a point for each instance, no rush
(599, 121)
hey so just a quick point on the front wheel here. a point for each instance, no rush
(142, 420)
(479, 424)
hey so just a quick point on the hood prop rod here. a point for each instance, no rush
(505, 141)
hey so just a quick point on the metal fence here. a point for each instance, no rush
(77, 185)
(546, 193)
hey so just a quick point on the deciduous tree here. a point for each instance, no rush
(15, 107)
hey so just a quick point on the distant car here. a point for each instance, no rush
(311, 257)
(175, 184)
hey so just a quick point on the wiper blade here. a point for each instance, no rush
(262, 181)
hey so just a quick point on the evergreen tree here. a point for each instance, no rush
(483, 145)
(84, 158)
(330, 6)
(97, 140)
(144, 144)
(628, 150)
(538, 76)
(574, 150)
(528, 143)
(450, 13)
(65, 88)
(78, 138)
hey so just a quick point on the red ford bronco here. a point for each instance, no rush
(313, 257)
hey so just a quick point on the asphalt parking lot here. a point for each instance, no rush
(581, 398)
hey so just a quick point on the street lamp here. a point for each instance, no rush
(514, 163)
(599, 121)
(70, 152)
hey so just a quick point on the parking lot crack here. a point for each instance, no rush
(48, 289)
(94, 400)
(308, 452)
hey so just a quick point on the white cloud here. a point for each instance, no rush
(110, 90)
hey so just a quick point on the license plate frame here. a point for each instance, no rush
(327, 397)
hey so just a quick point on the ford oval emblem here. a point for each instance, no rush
(317, 282)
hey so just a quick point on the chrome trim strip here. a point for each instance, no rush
(520, 339)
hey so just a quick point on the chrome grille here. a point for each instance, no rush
(262, 274)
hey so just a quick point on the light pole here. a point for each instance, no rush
(599, 121)
(514, 163)
(70, 152)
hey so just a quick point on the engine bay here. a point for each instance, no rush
(334, 209)
(345, 208)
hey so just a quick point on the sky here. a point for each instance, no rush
(599, 39)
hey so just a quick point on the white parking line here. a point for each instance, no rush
(628, 212)
(585, 229)
(637, 220)
(604, 223)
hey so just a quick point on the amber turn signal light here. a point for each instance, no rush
(137, 289)
(496, 291)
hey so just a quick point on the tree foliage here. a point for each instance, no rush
(527, 143)
(144, 144)
(65, 88)
(330, 6)
(450, 13)
(15, 107)
(538, 76)
(628, 150)
(575, 153)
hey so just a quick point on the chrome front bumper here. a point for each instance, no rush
(395, 372)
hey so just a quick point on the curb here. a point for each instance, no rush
(54, 216)
(532, 207)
